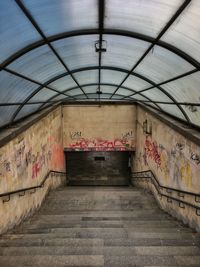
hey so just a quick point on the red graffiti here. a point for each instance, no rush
(101, 145)
(151, 151)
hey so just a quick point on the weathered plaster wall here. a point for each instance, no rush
(105, 128)
(25, 161)
(168, 154)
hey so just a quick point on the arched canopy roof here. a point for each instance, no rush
(145, 51)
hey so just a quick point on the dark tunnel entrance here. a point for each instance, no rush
(98, 168)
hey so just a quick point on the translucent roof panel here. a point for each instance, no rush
(110, 76)
(186, 89)
(55, 16)
(136, 83)
(157, 95)
(14, 89)
(143, 16)
(16, 31)
(78, 51)
(63, 83)
(6, 114)
(40, 64)
(122, 52)
(87, 77)
(43, 95)
(185, 33)
(193, 113)
(172, 110)
(90, 89)
(74, 92)
(161, 64)
(26, 110)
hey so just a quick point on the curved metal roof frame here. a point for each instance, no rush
(102, 31)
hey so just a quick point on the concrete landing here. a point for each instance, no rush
(100, 226)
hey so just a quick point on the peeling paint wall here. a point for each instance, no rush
(94, 128)
(25, 161)
(168, 154)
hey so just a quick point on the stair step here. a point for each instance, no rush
(52, 261)
(101, 250)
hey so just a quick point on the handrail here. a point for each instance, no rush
(150, 175)
(32, 187)
(162, 186)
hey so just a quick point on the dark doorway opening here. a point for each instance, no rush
(98, 168)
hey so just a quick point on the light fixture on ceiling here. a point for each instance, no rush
(101, 46)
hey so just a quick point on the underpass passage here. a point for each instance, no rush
(98, 168)
(100, 226)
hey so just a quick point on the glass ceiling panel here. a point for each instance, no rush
(90, 89)
(26, 110)
(185, 33)
(161, 64)
(124, 92)
(186, 89)
(78, 51)
(14, 89)
(86, 77)
(6, 114)
(63, 83)
(15, 30)
(55, 16)
(74, 92)
(143, 16)
(157, 95)
(122, 52)
(43, 95)
(59, 97)
(40, 64)
(111, 76)
(136, 83)
(173, 110)
(193, 114)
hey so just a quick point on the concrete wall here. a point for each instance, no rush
(105, 128)
(168, 154)
(25, 161)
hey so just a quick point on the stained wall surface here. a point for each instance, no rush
(25, 161)
(168, 154)
(104, 128)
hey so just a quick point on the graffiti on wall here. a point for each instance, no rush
(151, 151)
(28, 161)
(172, 164)
(84, 144)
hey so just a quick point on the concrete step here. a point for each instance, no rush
(129, 230)
(47, 241)
(99, 224)
(52, 261)
(101, 250)
(125, 261)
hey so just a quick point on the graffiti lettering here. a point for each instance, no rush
(127, 135)
(102, 145)
(151, 151)
(75, 135)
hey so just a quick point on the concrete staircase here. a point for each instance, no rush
(100, 226)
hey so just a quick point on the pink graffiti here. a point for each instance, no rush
(151, 151)
(101, 145)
